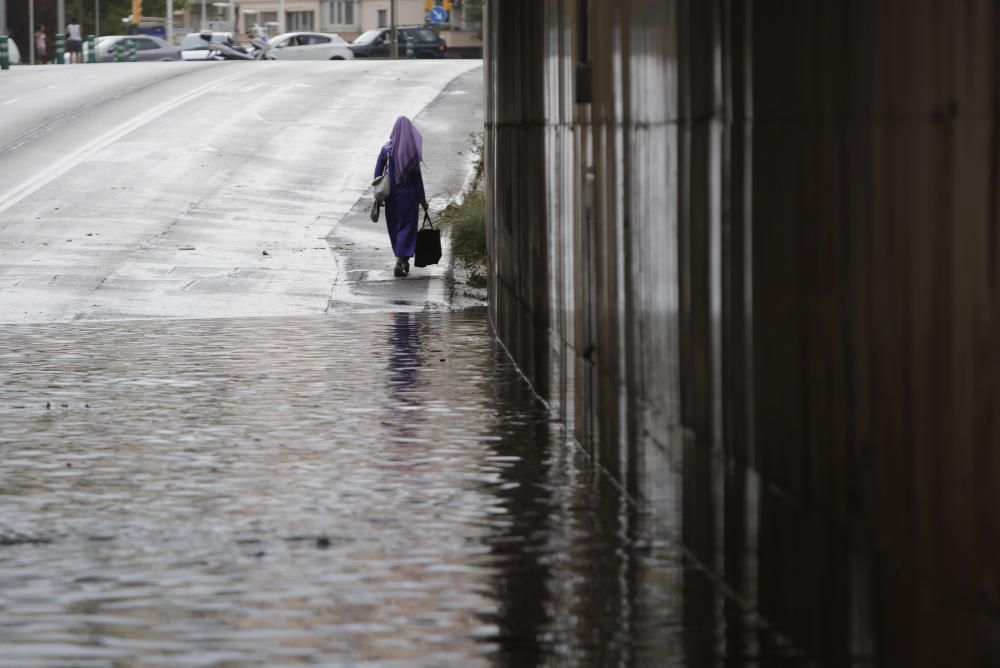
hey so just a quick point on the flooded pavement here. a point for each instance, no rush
(259, 491)
(380, 489)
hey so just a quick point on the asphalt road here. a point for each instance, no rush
(199, 190)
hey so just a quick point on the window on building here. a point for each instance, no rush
(383, 18)
(268, 21)
(343, 12)
(297, 21)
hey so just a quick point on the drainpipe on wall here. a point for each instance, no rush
(584, 94)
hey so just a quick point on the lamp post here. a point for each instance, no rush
(31, 32)
(394, 46)
(3, 17)
(281, 17)
(170, 21)
(204, 12)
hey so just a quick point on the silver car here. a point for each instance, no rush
(147, 47)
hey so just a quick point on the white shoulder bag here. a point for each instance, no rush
(381, 185)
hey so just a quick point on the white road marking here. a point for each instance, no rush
(57, 169)
(11, 101)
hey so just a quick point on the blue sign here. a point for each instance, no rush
(438, 15)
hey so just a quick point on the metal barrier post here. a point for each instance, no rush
(60, 48)
(91, 49)
(131, 51)
(4, 53)
(119, 52)
(409, 49)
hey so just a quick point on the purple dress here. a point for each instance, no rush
(402, 210)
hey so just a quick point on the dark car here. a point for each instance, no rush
(421, 40)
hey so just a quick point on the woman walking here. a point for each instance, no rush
(41, 45)
(403, 153)
(74, 41)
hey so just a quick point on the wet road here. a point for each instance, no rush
(186, 190)
(318, 490)
(359, 477)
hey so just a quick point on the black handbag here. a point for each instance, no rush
(428, 244)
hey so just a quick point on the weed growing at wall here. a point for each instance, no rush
(467, 224)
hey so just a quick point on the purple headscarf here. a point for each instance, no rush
(407, 148)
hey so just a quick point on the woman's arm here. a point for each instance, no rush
(420, 186)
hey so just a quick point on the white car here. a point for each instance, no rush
(13, 52)
(308, 46)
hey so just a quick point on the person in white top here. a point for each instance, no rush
(74, 41)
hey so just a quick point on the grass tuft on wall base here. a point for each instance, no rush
(467, 225)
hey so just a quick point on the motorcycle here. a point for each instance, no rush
(233, 51)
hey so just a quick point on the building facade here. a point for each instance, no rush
(348, 18)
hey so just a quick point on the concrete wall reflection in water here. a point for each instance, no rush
(748, 250)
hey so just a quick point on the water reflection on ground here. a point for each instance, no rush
(381, 488)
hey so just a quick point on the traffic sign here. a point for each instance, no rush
(438, 15)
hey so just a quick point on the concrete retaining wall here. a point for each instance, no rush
(755, 271)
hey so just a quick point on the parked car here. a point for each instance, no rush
(147, 47)
(12, 52)
(194, 46)
(424, 42)
(307, 46)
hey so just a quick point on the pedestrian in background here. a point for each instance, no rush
(41, 45)
(74, 41)
(403, 154)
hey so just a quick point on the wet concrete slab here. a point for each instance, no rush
(376, 488)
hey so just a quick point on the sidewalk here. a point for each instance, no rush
(363, 252)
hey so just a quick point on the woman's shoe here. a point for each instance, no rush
(406, 267)
(399, 272)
